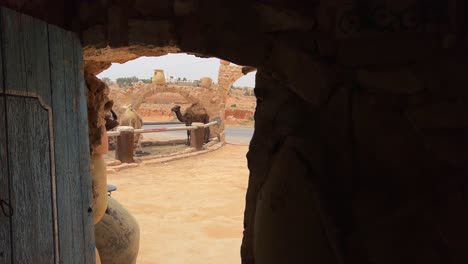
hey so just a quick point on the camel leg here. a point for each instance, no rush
(207, 129)
(188, 123)
(188, 137)
(139, 148)
(207, 134)
(139, 144)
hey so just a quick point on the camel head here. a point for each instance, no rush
(176, 108)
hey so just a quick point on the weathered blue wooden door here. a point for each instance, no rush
(45, 185)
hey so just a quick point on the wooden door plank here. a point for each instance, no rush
(12, 52)
(33, 237)
(73, 185)
(36, 57)
(5, 242)
(84, 151)
(60, 76)
(29, 137)
(82, 140)
(14, 69)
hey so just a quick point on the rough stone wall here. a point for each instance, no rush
(360, 148)
(96, 96)
(363, 149)
(375, 174)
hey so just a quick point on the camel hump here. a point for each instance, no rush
(198, 109)
(131, 118)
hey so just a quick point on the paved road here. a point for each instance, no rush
(234, 135)
(239, 135)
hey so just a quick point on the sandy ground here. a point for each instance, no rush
(190, 211)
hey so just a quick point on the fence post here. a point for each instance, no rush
(124, 146)
(197, 136)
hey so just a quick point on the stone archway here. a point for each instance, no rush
(229, 73)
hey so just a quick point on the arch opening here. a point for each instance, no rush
(152, 86)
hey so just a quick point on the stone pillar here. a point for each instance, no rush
(224, 62)
(124, 146)
(197, 137)
(228, 74)
(158, 77)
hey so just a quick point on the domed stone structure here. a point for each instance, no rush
(206, 82)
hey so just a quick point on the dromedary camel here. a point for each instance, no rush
(131, 118)
(195, 113)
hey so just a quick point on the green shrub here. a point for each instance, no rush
(126, 81)
(233, 105)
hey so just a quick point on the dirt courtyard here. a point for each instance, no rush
(190, 211)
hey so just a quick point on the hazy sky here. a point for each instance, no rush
(176, 65)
